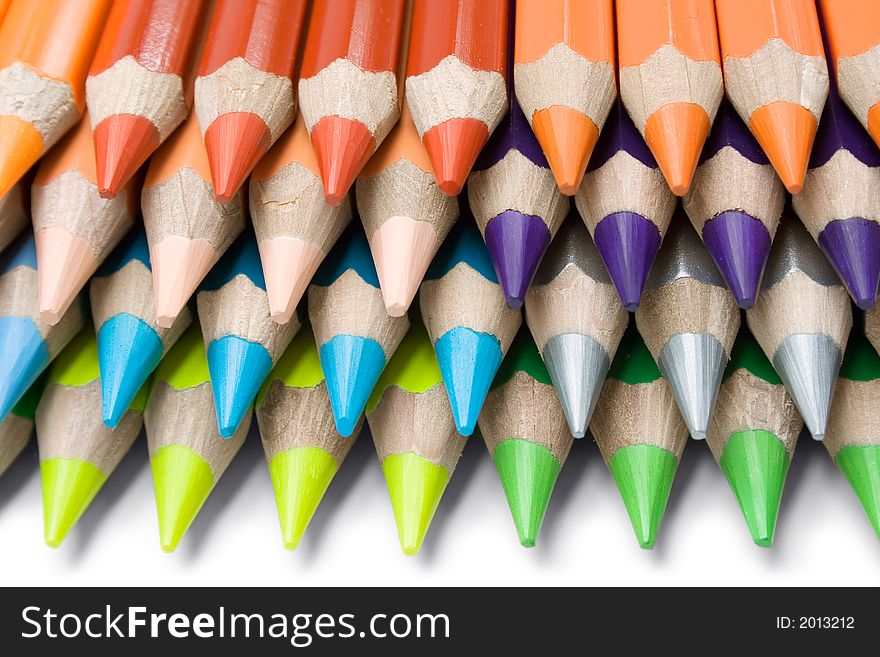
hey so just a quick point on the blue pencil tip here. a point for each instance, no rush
(23, 356)
(352, 366)
(238, 368)
(468, 363)
(128, 351)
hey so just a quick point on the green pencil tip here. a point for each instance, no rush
(755, 463)
(861, 466)
(528, 474)
(182, 481)
(300, 477)
(416, 486)
(644, 474)
(69, 486)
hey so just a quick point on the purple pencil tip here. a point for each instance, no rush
(739, 244)
(628, 244)
(853, 247)
(516, 243)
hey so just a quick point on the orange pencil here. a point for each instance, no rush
(405, 215)
(46, 47)
(13, 217)
(74, 228)
(564, 78)
(244, 89)
(455, 81)
(187, 228)
(295, 226)
(670, 79)
(353, 45)
(137, 89)
(776, 77)
(852, 28)
(4, 6)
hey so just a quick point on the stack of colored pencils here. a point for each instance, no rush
(319, 212)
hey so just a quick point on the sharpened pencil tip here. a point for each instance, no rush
(342, 147)
(235, 142)
(453, 147)
(786, 132)
(123, 142)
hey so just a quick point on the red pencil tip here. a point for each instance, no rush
(342, 147)
(123, 142)
(453, 147)
(235, 143)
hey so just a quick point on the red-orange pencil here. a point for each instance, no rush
(74, 228)
(353, 45)
(852, 28)
(776, 77)
(137, 89)
(670, 79)
(46, 47)
(455, 81)
(244, 89)
(564, 77)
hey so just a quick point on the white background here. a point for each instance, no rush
(823, 537)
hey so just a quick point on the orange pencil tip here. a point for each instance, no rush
(786, 132)
(568, 138)
(453, 147)
(20, 146)
(675, 133)
(874, 123)
(235, 143)
(342, 147)
(123, 142)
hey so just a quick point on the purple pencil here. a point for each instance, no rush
(514, 197)
(840, 203)
(626, 204)
(735, 204)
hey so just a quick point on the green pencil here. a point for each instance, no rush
(303, 448)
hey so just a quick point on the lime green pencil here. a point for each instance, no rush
(78, 452)
(525, 430)
(303, 448)
(415, 435)
(187, 454)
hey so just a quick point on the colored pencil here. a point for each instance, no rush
(74, 227)
(4, 7)
(577, 319)
(27, 344)
(414, 435)
(13, 216)
(641, 435)
(295, 226)
(46, 47)
(670, 79)
(187, 455)
(405, 215)
(130, 341)
(853, 436)
(626, 205)
(455, 81)
(754, 431)
(840, 205)
(18, 425)
(187, 229)
(735, 203)
(514, 199)
(244, 95)
(801, 320)
(352, 45)
(852, 31)
(138, 89)
(242, 341)
(77, 451)
(355, 336)
(469, 324)
(776, 77)
(689, 321)
(303, 449)
(565, 79)
(525, 431)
